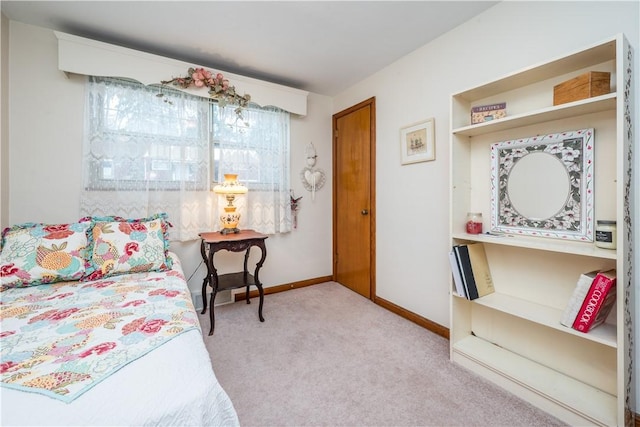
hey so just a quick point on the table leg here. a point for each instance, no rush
(207, 278)
(204, 294)
(212, 274)
(263, 256)
(211, 311)
(261, 291)
(246, 274)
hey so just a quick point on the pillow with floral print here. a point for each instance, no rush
(35, 254)
(121, 246)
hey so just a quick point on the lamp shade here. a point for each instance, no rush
(230, 185)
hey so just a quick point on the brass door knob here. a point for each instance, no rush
(364, 212)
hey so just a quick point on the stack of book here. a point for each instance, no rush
(592, 300)
(470, 269)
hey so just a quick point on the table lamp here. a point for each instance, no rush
(229, 188)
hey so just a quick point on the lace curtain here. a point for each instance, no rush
(142, 155)
(256, 147)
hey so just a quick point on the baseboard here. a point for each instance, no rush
(239, 296)
(413, 317)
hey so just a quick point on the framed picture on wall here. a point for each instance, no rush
(417, 142)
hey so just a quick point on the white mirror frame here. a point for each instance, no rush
(574, 220)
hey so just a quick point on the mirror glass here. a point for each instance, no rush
(543, 186)
(538, 185)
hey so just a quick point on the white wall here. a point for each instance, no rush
(4, 121)
(45, 143)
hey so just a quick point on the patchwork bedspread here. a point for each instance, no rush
(62, 339)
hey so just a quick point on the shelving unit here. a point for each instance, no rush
(513, 336)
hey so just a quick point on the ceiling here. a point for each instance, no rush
(320, 46)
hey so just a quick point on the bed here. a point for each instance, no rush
(88, 340)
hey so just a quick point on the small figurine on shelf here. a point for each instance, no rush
(294, 208)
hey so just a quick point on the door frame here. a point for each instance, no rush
(371, 102)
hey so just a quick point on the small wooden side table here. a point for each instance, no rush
(213, 242)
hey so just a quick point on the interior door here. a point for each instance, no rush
(354, 198)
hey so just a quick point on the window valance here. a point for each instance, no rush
(89, 57)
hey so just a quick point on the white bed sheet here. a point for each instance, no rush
(173, 385)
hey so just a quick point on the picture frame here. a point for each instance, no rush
(543, 186)
(417, 142)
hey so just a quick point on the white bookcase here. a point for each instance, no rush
(513, 336)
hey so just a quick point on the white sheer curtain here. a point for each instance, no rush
(256, 147)
(144, 155)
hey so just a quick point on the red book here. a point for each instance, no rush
(598, 302)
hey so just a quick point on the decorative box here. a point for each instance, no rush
(587, 85)
(484, 113)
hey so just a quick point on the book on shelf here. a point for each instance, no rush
(577, 298)
(598, 303)
(462, 255)
(480, 269)
(485, 113)
(474, 270)
(457, 274)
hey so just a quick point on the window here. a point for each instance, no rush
(256, 146)
(143, 155)
(138, 142)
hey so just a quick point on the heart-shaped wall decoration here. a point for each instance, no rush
(312, 178)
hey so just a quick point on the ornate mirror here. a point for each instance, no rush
(543, 186)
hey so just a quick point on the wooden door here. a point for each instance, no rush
(354, 198)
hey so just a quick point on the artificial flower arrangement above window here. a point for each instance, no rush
(219, 88)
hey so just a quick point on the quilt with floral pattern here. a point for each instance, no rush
(64, 338)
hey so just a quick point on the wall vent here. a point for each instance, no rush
(222, 298)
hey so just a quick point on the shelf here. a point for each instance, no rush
(593, 55)
(540, 243)
(546, 316)
(235, 281)
(572, 109)
(588, 402)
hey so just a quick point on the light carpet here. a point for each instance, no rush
(326, 356)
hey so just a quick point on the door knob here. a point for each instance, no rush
(364, 212)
